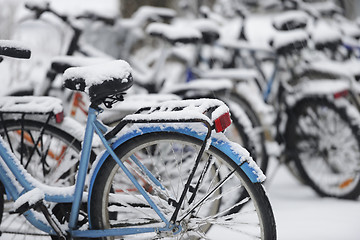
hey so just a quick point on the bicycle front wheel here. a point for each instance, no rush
(50, 155)
(207, 210)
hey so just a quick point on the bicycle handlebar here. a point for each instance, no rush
(14, 49)
(39, 9)
(95, 17)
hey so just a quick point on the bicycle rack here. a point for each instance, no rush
(32, 105)
(212, 112)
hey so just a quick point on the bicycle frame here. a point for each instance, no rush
(17, 181)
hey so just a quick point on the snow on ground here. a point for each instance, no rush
(301, 214)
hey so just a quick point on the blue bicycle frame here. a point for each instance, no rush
(17, 181)
(73, 195)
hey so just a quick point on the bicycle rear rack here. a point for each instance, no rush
(32, 105)
(212, 112)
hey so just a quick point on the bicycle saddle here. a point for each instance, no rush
(324, 36)
(13, 49)
(208, 29)
(174, 33)
(289, 42)
(101, 81)
(290, 20)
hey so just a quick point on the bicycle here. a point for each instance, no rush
(215, 168)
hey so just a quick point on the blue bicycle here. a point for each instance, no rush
(164, 172)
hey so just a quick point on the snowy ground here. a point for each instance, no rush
(301, 214)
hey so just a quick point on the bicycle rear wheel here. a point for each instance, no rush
(170, 157)
(324, 142)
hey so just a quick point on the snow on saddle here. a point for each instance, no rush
(101, 81)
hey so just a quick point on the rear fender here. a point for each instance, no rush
(332, 89)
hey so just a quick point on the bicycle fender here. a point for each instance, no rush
(218, 140)
(320, 88)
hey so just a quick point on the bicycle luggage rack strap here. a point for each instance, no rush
(212, 112)
(32, 105)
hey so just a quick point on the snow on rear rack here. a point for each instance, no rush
(212, 112)
(32, 105)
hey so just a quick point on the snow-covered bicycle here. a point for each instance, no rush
(166, 174)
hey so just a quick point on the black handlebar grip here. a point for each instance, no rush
(95, 17)
(11, 49)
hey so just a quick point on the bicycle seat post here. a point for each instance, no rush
(83, 166)
(105, 83)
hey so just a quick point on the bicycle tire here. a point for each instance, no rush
(259, 151)
(325, 145)
(238, 132)
(169, 148)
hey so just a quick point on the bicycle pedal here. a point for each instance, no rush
(28, 200)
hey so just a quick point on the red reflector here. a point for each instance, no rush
(222, 122)
(341, 94)
(59, 117)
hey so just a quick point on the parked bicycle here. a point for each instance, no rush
(190, 172)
